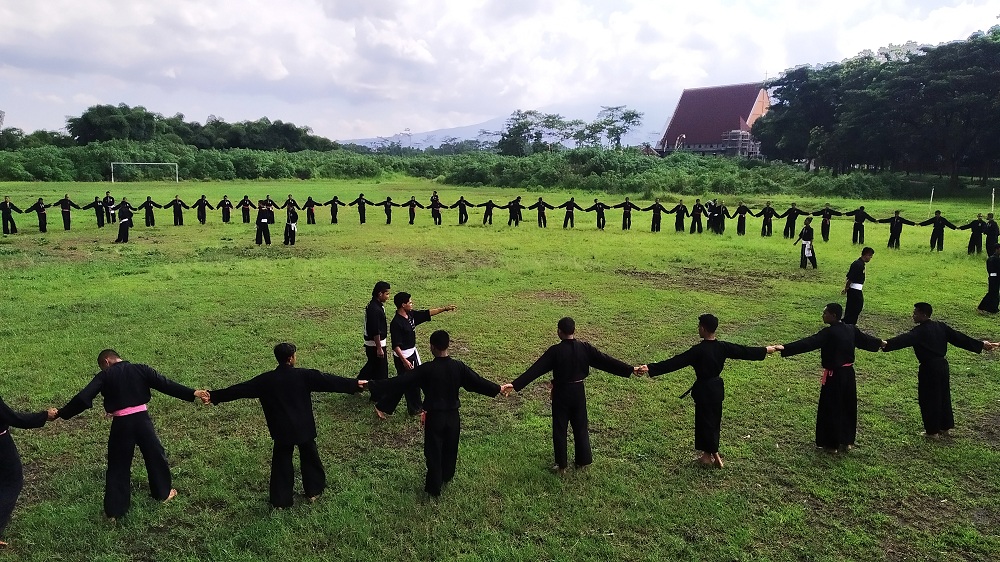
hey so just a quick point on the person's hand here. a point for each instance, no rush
(771, 349)
(883, 344)
(506, 389)
(362, 384)
(381, 415)
(640, 370)
(990, 346)
(52, 413)
(379, 352)
(204, 396)
(407, 364)
(778, 347)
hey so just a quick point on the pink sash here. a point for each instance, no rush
(128, 411)
(827, 373)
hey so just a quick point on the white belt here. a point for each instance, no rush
(371, 343)
(294, 225)
(123, 221)
(263, 221)
(993, 274)
(856, 286)
(407, 353)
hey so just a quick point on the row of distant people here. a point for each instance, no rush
(714, 212)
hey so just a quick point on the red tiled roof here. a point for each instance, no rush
(703, 114)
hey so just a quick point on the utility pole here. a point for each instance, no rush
(2, 115)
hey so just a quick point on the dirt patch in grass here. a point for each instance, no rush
(987, 427)
(728, 283)
(557, 297)
(313, 313)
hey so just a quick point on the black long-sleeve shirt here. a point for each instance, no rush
(856, 273)
(6, 208)
(124, 385)
(938, 223)
(860, 216)
(570, 361)
(826, 214)
(413, 203)
(767, 212)
(285, 395)
(149, 204)
(680, 210)
(461, 204)
(896, 223)
(177, 205)
(657, 208)
(202, 203)
(570, 206)
(930, 339)
(599, 207)
(977, 226)
(627, 207)
(402, 329)
(65, 204)
(38, 208)
(707, 358)
(22, 420)
(440, 380)
(375, 323)
(836, 344)
(245, 203)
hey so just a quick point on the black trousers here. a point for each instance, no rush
(283, 475)
(11, 479)
(123, 228)
(789, 231)
(414, 404)
(893, 240)
(487, 217)
(66, 215)
(811, 258)
(601, 221)
(858, 236)
(463, 215)
(627, 221)
(361, 215)
(441, 434)
(695, 223)
(126, 433)
(43, 223)
(246, 214)
(150, 218)
(513, 219)
(707, 425)
(413, 215)
(569, 407)
(333, 215)
(109, 216)
(765, 227)
(568, 220)
(991, 302)
(100, 219)
(263, 233)
(934, 396)
(289, 235)
(225, 214)
(824, 228)
(937, 239)
(837, 411)
(375, 367)
(178, 218)
(310, 216)
(741, 225)
(855, 302)
(679, 223)
(542, 223)
(436, 215)
(655, 226)
(976, 243)
(388, 217)
(202, 215)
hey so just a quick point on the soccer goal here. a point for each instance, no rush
(121, 165)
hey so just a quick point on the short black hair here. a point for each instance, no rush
(709, 322)
(107, 354)
(440, 340)
(868, 251)
(567, 325)
(924, 307)
(380, 287)
(836, 309)
(283, 352)
(401, 298)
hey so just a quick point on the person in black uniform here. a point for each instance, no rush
(722, 213)
(440, 381)
(290, 205)
(7, 210)
(657, 209)
(285, 396)
(360, 202)
(837, 411)
(570, 361)
(126, 390)
(66, 205)
(244, 206)
(98, 207)
(291, 226)
(413, 204)
(991, 302)
(627, 207)
(488, 213)
(201, 208)
(896, 223)
(937, 231)
(741, 218)
(263, 222)
(148, 205)
(708, 391)
(860, 216)
(540, 206)
(227, 208)
(827, 213)
(769, 214)
(697, 211)
(992, 232)
(463, 209)
(806, 238)
(39, 209)
(109, 208)
(334, 204)
(929, 340)
(178, 206)
(310, 207)
(976, 229)
(376, 330)
(853, 286)
(125, 214)
(11, 469)
(514, 209)
(387, 205)
(570, 206)
(681, 210)
(791, 216)
(599, 208)
(402, 331)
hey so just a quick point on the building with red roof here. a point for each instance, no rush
(716, 121)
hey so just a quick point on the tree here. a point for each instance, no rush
(616, 121)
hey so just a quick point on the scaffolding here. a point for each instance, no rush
(741, 144)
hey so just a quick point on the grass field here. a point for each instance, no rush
(205, 306)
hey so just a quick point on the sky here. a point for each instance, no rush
(365, 68)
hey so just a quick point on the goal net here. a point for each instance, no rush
(149, 171)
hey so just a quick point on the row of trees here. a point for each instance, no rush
(909, 108)
(528, 132)
(591, 169)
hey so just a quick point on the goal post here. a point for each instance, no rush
(177, 177)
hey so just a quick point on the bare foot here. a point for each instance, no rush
(171, 495)
(706, 460)
(558, 469)
(312, 499)
(3, 544)
(718, 460)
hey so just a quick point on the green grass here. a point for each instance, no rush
(204, 306)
